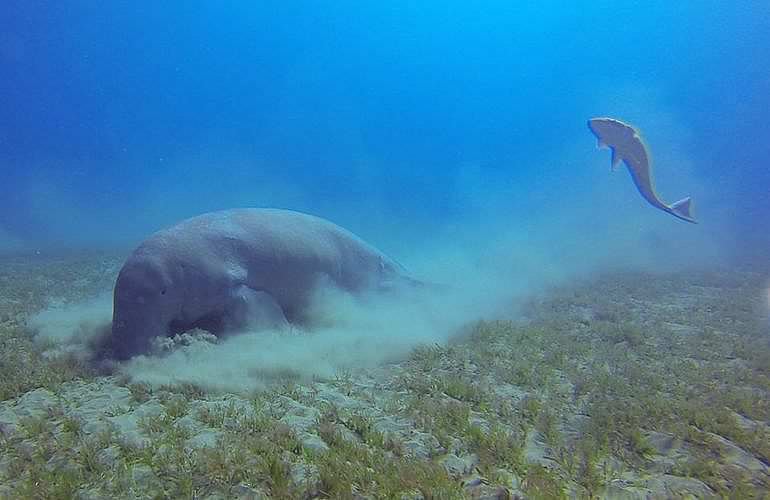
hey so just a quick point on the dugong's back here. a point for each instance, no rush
(282, 252)
(260, 236)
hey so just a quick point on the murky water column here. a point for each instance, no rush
(767, 303)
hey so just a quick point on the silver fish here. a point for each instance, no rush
(627, 146)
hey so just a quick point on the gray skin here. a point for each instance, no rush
(218, 269)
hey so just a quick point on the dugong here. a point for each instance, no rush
(627, 146)
(221, 267)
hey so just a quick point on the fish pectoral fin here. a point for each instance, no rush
(253, 309)
(616, 159)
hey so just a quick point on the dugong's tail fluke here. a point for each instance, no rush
(681, 209)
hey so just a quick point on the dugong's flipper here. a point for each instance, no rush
(254, 310)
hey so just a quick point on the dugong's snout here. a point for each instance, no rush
(131, 336)
(145, 301)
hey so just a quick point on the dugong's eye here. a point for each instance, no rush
(163, 292)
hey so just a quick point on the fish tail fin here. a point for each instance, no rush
(682, 209)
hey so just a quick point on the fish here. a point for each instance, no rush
(627, 146)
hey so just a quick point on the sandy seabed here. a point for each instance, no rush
(627, 385)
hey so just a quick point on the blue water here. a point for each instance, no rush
(402, 121)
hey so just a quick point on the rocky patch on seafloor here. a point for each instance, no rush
(628, 386)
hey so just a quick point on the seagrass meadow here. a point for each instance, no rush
(624, 385)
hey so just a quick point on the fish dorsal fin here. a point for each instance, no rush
(615, 159)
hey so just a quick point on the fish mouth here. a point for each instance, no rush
(592, 124)
(592, 127)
